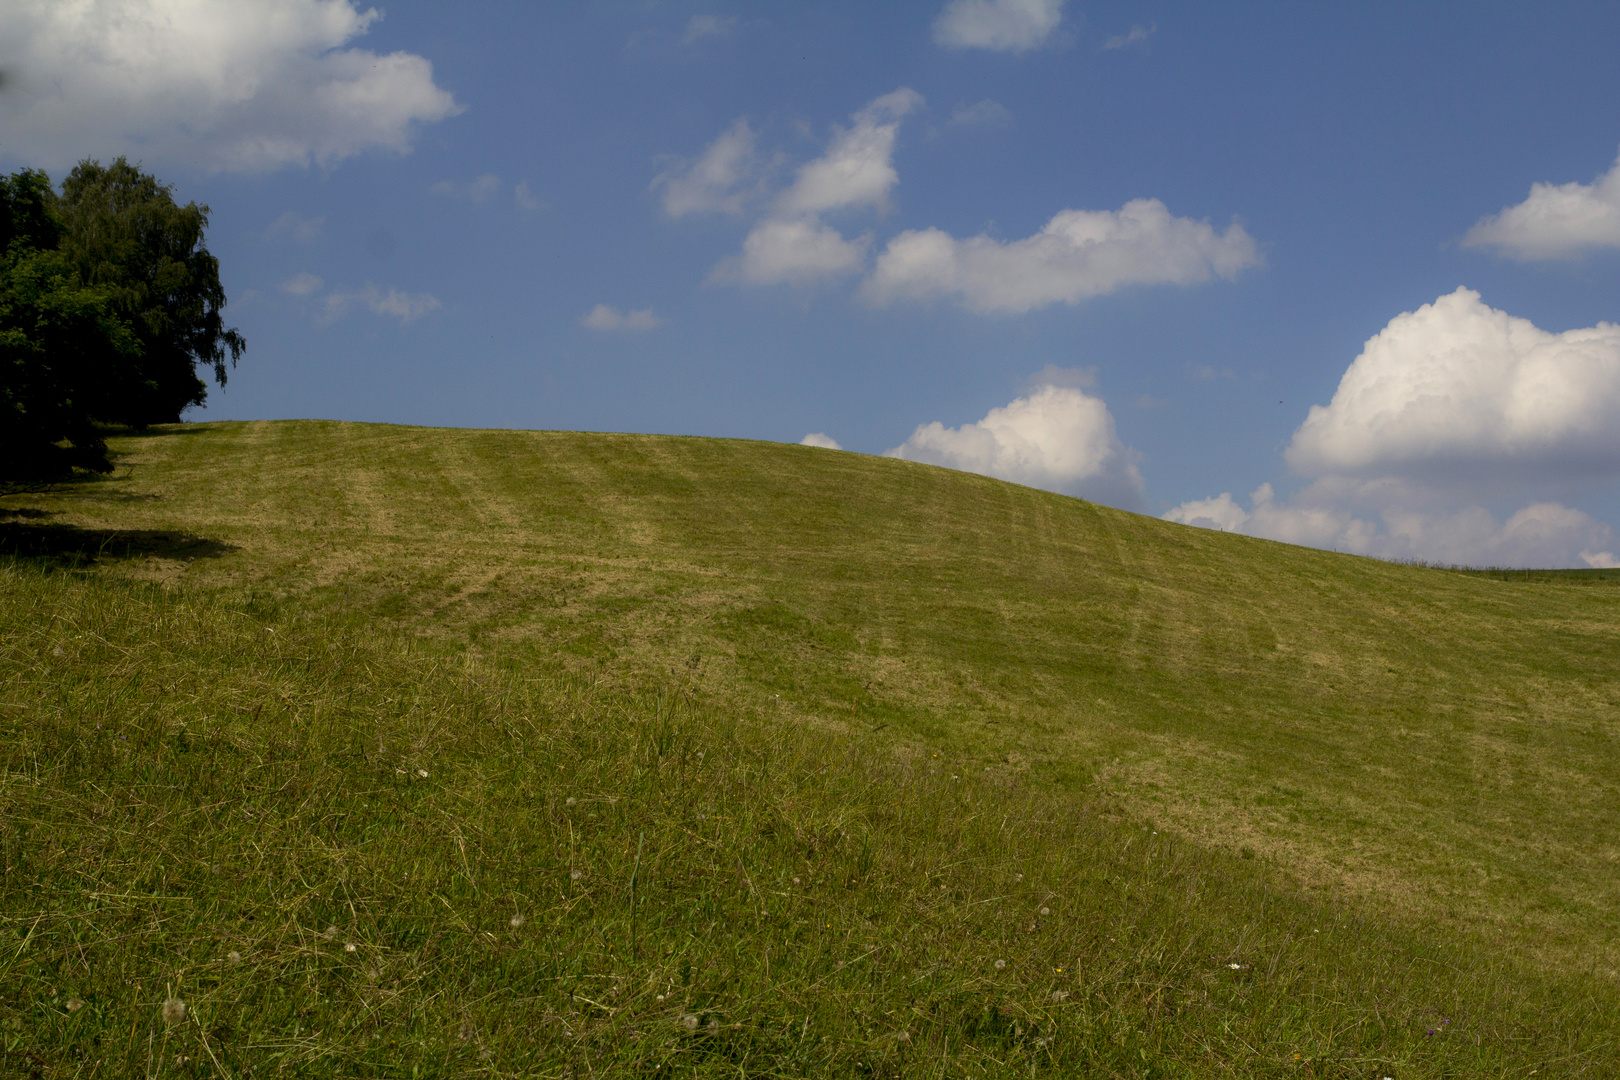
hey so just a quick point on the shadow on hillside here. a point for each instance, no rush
(68, 545)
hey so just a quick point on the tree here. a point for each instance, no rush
(126, 235)
(59, 339)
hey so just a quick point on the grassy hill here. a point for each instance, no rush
(758, 759)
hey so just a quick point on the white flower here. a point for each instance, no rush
(1235, 967)
(422, 773)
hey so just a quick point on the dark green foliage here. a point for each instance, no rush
(58, 338)
(125, 234)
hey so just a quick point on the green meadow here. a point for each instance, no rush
(406, 752)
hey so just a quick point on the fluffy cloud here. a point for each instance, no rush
(797, 251)
(404, 306)
(249, 86)
(1446, 406)
(1001, 25)
(1057, 438)
(792, 245)
(719, 180)
(603, 317)
(1540, 534)
(1457, 388)
(1557, 221)
(1078, 254)
(821, 439)
(857, 169)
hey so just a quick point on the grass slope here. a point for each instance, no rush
(908, 687)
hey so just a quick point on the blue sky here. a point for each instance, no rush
(828, 218)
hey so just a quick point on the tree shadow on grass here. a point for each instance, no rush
(36, 540)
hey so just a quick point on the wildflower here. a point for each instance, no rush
(349, 946)
(660, 997)
(1000, 964)
(1235, 967)
(689, 1021)
(1018, 877)
(422, 773)
(1046, 911)
(174, 1010)
(234, 957)
(516, 921)
(73, 1004)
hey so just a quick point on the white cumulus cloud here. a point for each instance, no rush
(249, 85)
(1448, 406)
(857, 168)
(1458, 387)
(821, 439)
(795, 251)
(1078, 254)
(1057, 438)
(721, 179)
(1000, 25)
(1557, 221)
(603, 317)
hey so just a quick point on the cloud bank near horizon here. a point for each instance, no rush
(1058, 438)
(1450, 406)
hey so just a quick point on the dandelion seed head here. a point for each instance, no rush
(349, 946)
(1046, 911)
(714, 1024)
(73, 1004)
(234, 957)
(689, 1021)
(516, 921)
(174, 1010)
(1000, 964)
(795, 881)
(330, 931)
(575, 875)
(569, 801)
